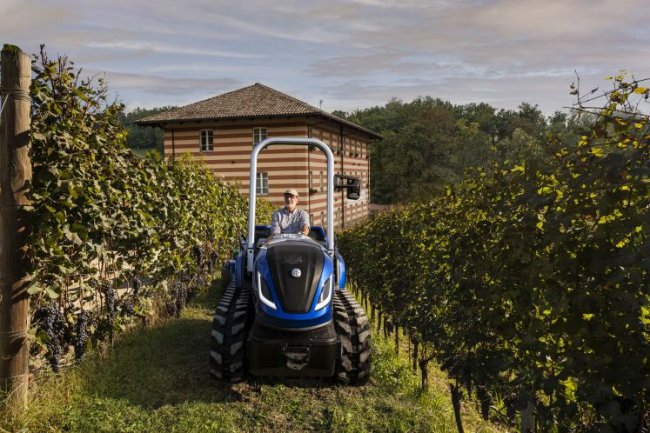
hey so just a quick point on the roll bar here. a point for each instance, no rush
(250, 240)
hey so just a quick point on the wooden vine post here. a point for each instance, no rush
(15, 183)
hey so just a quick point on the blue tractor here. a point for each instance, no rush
(286, 311)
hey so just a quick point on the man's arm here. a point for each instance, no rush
(304, 223)
(275, 223)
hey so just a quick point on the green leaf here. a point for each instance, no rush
(34, 288)
(51, 293)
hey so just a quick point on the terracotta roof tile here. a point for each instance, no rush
(257, 100)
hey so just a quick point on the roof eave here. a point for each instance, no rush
(322, 114)
(373, 135)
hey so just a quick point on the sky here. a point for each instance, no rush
(341, 54)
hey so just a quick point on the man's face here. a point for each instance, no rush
(290, 202)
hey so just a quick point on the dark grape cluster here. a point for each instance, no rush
(197, 251)
(127, 308)
(180, 294)
(110, 299)
(110, 302)
(212, 261)
(50, 321)
(82, 334)
(171, 308)
(198, 283)
(137, 285)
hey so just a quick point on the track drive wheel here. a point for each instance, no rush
(229, 330)
(353, 367)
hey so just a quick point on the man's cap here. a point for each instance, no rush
(292, 192)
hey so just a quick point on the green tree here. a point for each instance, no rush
(430, 143)
(143, 137)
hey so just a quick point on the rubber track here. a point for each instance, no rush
(228, 336)
(352, 326)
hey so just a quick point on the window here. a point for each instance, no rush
(259, 135)
(262, 187)
(206, 140)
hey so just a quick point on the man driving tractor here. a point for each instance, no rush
(290, 219)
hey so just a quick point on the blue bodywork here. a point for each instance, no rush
(277, 317)
(318, 232)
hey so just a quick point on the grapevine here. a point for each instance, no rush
(528, 282)
(102, 217)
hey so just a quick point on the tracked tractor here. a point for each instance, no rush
(286, 311)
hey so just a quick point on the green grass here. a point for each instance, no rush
(156, 380)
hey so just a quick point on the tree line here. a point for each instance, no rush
(430, 143)
(142, 137)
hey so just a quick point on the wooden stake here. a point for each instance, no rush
(528, 418)
(396, 329)
(15, 183)
(455, 401)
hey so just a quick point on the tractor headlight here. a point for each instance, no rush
(263, 292)
(325, 295)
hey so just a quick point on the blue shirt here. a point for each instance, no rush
(284, 221)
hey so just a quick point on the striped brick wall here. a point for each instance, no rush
(287, 166)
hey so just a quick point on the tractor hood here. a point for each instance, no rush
(293, 283)
(296, 266)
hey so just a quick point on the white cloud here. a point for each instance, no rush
(170, 49)
(344, 51)
(156, 84)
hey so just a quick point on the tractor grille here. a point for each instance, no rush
(296, 293)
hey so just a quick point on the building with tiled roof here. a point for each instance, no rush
(222, 130)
